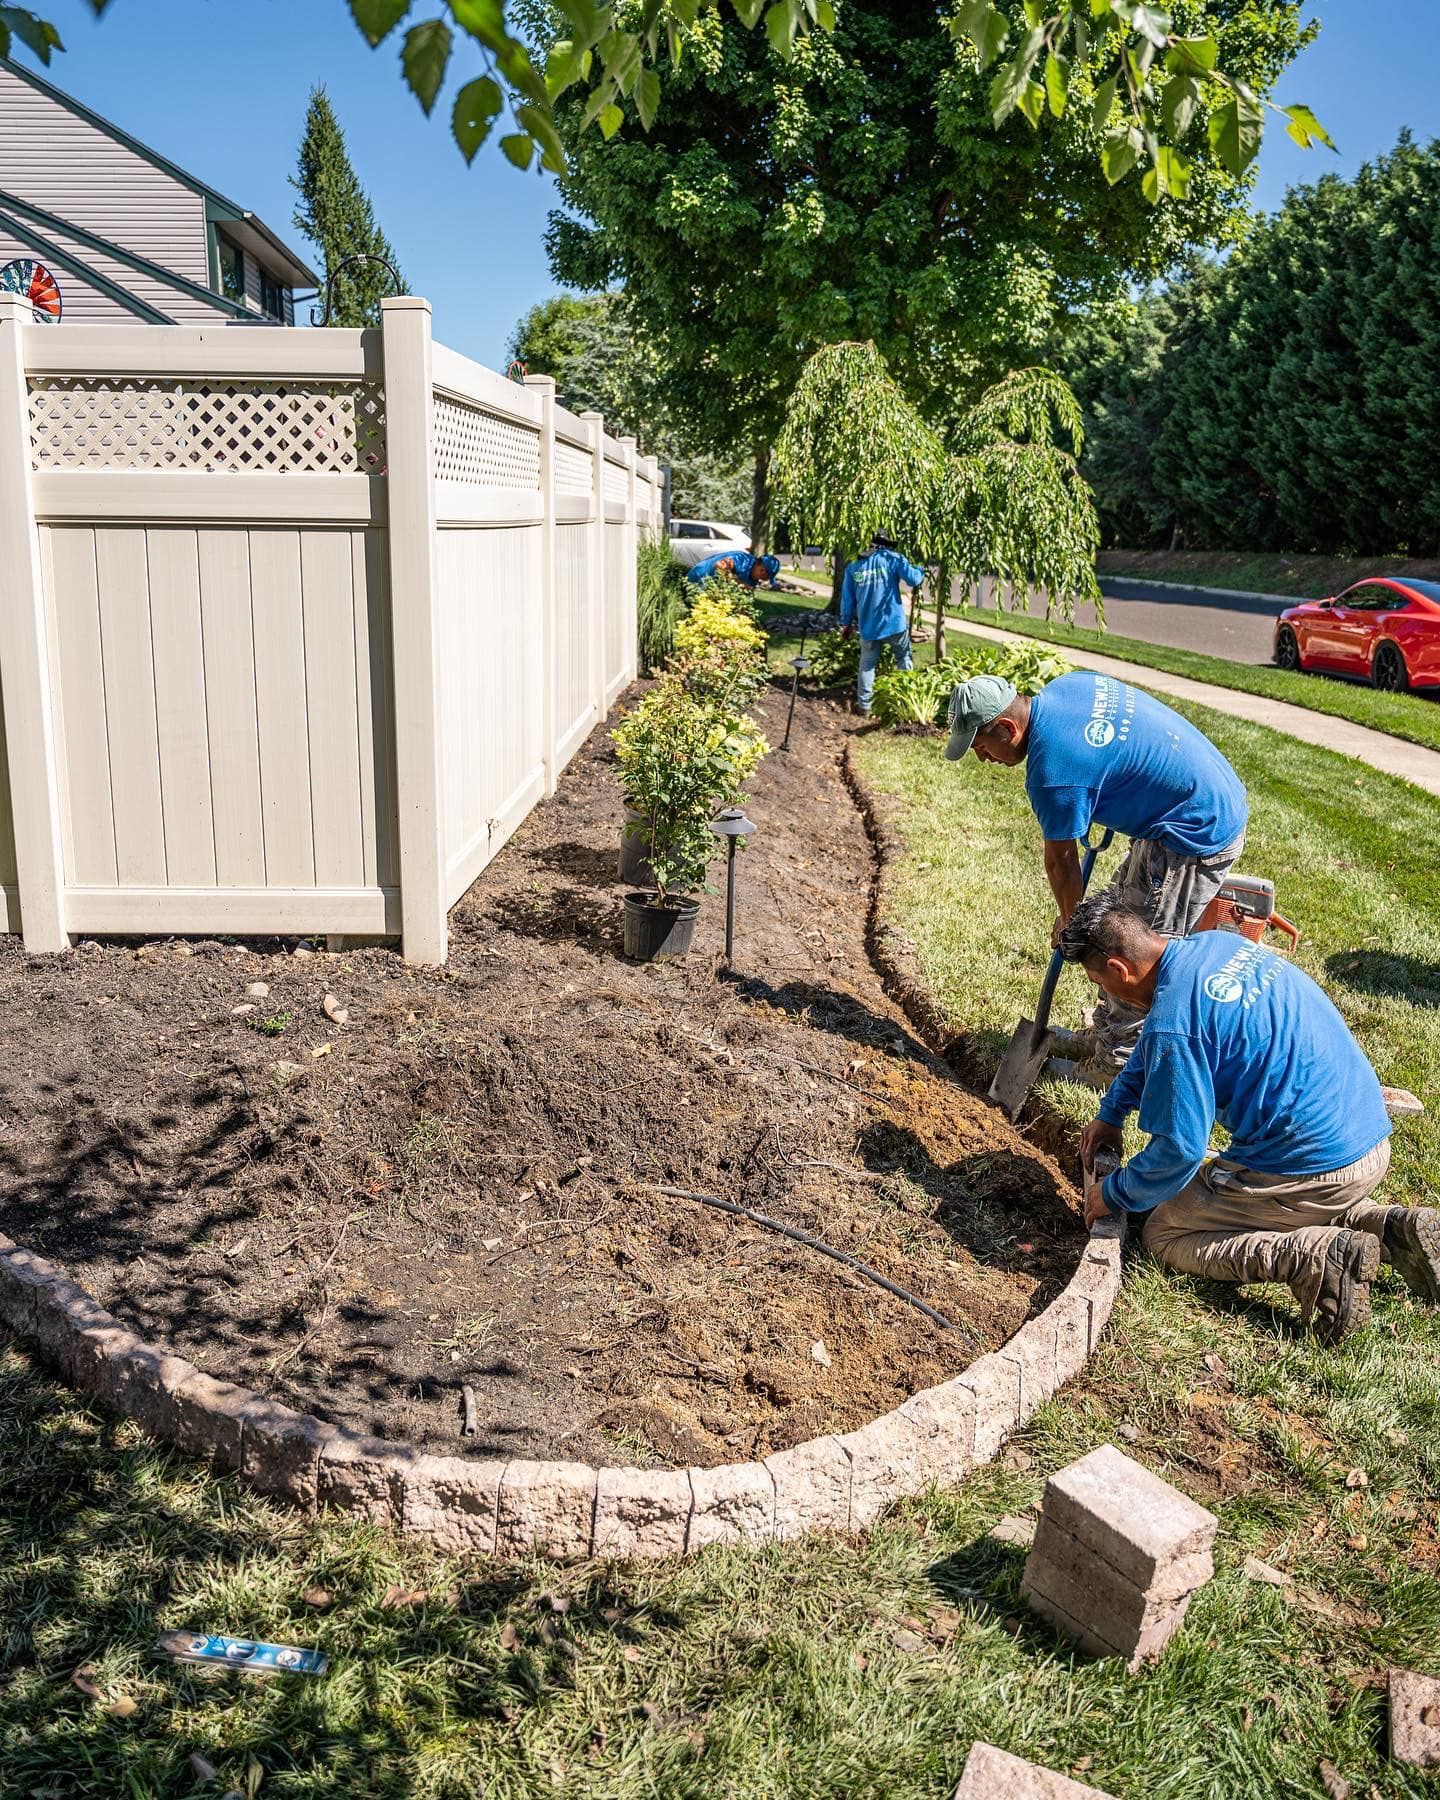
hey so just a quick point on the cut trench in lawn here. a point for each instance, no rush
(462, 1191)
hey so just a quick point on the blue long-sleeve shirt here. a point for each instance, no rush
(749, 568)
(1098, 749)
(870, 592)
(1240, 1035)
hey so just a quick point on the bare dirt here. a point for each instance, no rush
(457, 1185)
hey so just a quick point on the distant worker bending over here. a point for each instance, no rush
(748, 569)
(1098, 751)
(1234, 1034)
(870, 602)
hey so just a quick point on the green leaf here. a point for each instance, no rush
(1149, 22)
(1032, 101)
(781, 23)
(424, 56)
(1057, 82)
(611, 119)
(984, 27)
(1117, 158)
(378, 18)
(647, 97)
(518, 148)
(748, 11)
(37, 35)
(1013, 78)
(1194, 55)
(540, 124)
(1235, 132)
(475, 108)
(1104, 103)
(824, 15)
(1179, 99)
(1174, 170)
(482, 19)
(1305, 128)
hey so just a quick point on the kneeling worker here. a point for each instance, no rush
(747, 568)
(1236, 1034)
(1098, 751)
(870, 602)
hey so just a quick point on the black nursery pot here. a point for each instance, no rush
(634, 864)
(653, 931)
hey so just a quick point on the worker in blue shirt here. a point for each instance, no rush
(1098, 751)
(747, 568)
(1237, 1036)
(870, 603)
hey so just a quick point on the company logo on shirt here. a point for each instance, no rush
(1110, 714)
(1245, 975)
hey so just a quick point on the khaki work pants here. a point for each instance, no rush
(1234, 1224)
(1170, 892)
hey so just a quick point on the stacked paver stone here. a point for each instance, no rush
(1117, 1555)
(992, 1774)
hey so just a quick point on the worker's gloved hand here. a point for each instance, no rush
(1097, 1135)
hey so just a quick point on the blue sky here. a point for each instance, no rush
(220, 87)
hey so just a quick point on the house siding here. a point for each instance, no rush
(81, 304)
(57, 160)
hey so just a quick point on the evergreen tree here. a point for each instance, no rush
(335, 213)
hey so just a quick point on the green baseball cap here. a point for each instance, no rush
(975, 704)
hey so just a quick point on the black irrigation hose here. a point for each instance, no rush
(804, 1237)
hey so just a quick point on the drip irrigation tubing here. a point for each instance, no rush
(814, 1243)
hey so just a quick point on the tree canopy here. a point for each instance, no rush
(861, 190)
(1286, 399)
(335, 213)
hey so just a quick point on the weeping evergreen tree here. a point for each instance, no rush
(854, 457)
(335, 213)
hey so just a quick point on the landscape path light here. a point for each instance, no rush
(799, 664)
(732, 825)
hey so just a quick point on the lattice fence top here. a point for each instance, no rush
(480, 449)
(253, 427)
(574, 470)
(617, 482)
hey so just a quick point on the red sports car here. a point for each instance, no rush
(1386, 630)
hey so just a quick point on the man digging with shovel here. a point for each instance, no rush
(1099, 751)
(1234, 1034)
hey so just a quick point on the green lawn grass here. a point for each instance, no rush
(1414, 717)
(821, 1670)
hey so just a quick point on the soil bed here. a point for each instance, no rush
(451, 1187)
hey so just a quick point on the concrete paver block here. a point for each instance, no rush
(992, 1774)
(453, 1501)
(365, 1476)
(1076, 1562)
(1101, 1638)
(209, 1416)
(943, 1418)
(812, 1488)
(1033, 1348)
(142, 1384)
(545, 1506)
(641, 1512)
(733, 1504)
(995, 1382)
(23, 1279)
(1130, 1517)
(280, 1451)
(1415, 1719)
(883, 1456)
(1072, 1334)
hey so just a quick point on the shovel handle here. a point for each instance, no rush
(1057, 961)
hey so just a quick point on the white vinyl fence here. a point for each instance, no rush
(295, 626)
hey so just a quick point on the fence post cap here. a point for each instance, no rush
(405, 303)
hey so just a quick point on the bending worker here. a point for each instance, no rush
(1237, 1035)
(1098, 751)
(870, 600)
(747, 568)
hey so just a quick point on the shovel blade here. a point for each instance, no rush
(1024, 1058)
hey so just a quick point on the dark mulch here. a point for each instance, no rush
(458, 1191)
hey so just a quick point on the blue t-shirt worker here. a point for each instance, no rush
(870, 603)
(744, 565)
(1098, 751)
(1237, 1036)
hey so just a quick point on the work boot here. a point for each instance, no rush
(1094, 1072)
(1412, 1242)
(1078, 1045)
(1342, 1306)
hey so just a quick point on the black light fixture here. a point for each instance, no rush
(732, 825)
(799, 664)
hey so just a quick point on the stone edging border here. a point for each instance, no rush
(837, 1483)
(507, 1509)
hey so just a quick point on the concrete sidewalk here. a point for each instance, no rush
(1391, 756)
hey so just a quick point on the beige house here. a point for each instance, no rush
(128, 236)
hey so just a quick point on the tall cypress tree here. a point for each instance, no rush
(335, 213)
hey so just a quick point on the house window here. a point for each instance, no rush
(272, 297)
(232, 271)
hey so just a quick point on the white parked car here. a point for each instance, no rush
(692, 540)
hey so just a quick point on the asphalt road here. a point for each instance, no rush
(1239, 627)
